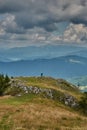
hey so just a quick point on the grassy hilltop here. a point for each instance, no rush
(41, 103)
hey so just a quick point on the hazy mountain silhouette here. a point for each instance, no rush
(65, 66)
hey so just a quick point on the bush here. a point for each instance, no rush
(83, 103)
(4, 83)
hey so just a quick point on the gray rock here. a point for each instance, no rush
(66, 98)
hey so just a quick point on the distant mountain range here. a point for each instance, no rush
(62, 67)
(41, 52)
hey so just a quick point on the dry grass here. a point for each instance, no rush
(45, 115)
(34, 112)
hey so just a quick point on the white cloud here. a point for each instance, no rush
(83, 87)
(75, 61)
(10, 30)
(32, 20)
(43, 13)
(9, 25)
(74, 33)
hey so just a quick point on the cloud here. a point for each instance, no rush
(31, 13)
(9, 25)
(37, 20)
(32, 34)
(75, 61)
(74, 33)
(83, 88)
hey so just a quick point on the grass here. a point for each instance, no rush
(38, 114)
(35, 112)
(18, 100)
(48, 82)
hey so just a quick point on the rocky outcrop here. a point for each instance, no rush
(67, 99)
(31, 89)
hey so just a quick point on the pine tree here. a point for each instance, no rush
(4, 83)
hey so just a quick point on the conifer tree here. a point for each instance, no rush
(4, 83)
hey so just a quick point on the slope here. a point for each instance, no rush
(40, 111)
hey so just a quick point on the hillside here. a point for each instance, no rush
(41, 103)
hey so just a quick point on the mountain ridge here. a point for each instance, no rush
(35, 52)
(63, 67)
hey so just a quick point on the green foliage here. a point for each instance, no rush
(4, 83)
(83, 103)
(14, 91)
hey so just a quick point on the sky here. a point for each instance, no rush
(40, 22)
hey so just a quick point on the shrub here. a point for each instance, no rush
(4, 83)
(83, 103)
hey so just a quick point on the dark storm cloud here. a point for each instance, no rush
(8, 6)
(43, 13)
